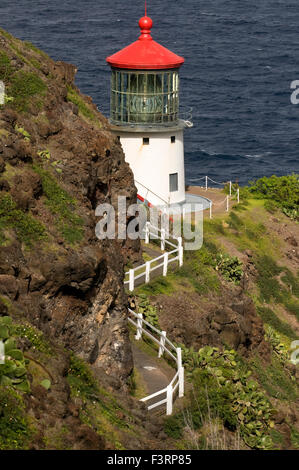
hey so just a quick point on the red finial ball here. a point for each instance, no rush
(145, 23)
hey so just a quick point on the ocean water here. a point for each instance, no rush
(241, 57)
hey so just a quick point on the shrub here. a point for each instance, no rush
(13, 371)
(149, 311)
(224, 389)
(229, 267)
(270, 206)
(283, 190)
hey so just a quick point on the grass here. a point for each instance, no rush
(198, 269)
(100, 410)
(136, 385)
(28, 229)
(31, 46)
(160, 285)
(24, 86)
(274, 379)
(6, 69)
(269, 316)
(34, 336)
(83, 108)
(63, 206)
(15, 431)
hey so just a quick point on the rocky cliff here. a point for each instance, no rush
(58, 161)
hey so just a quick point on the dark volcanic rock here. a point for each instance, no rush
(73, 292)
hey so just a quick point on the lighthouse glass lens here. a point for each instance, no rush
(144, 97)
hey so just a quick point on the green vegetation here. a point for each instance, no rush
(223, 389)
(275, 380)
(6, 69)
(34, 336)
(279, 348)
(28, 229)
(13, 371)
(148, 311)
(229, 267)
(160, 285)
(31, 46)
(199, 269)
(73, 96)
(24, 133)
(63, 206)
(269, 317)
(283, 191)
(24, 86)
(15, 431)
(100, 410)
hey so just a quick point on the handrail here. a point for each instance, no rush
(149, 190)
(178, 379)
(168, 257)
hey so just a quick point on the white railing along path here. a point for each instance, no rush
(167, 395)
(145, 270)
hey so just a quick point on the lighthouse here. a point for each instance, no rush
(144, 115)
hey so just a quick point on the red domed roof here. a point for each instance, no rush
(145, 53)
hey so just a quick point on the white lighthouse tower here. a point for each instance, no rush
(145, 117)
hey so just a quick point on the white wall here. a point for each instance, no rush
(152, 164)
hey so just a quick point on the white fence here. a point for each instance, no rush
(166, 395)
(163, 261)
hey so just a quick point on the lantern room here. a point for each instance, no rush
(144, 114)
(145, 81)
(144, 97)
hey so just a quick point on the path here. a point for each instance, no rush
(215, 195)
(155, 373)
(153, 252)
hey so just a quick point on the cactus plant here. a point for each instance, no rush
(13, 371)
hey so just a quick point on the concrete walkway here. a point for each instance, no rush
(217, 196)
(155, 373)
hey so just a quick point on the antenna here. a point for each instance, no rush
(145, 9)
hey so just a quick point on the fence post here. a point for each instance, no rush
(181, 251)
(238, 195)
(131, 280)
(210, 209)
(147, 233)
(230, 188)
(180, 371)
(162, 343)
(147, 271)
(169, 393)
(165, 265)
(179, 357)
(181, 382)
(206, 183)
(139, 326)
(227, 203)
(162, 239)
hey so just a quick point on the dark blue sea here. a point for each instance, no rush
(241, 57)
